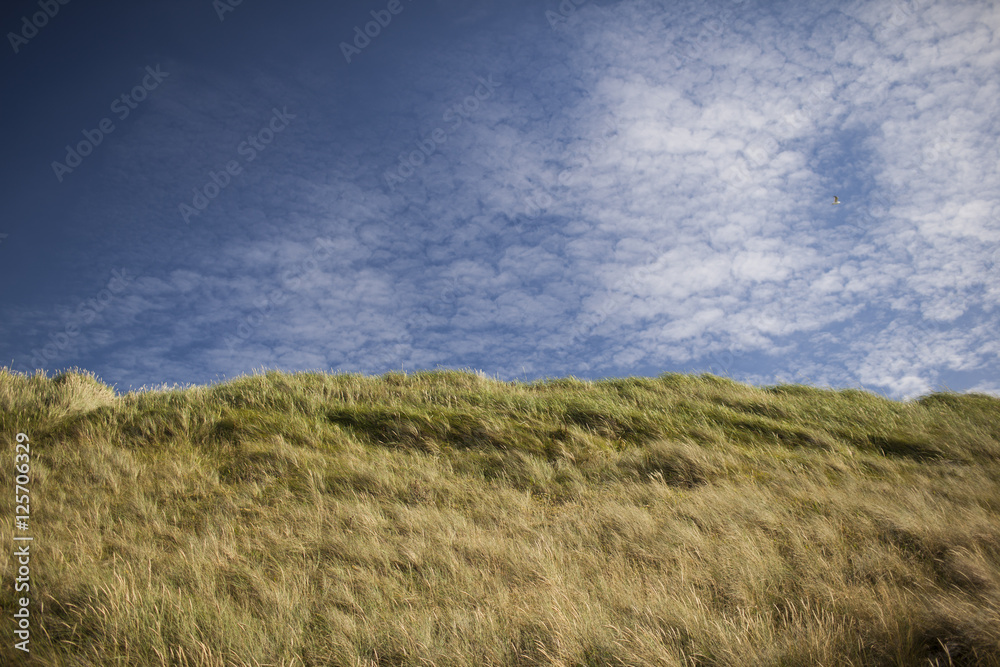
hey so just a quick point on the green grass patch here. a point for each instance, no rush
(447, 518)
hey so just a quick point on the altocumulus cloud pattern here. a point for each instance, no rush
(574, 187)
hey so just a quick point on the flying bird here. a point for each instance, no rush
(836, 200)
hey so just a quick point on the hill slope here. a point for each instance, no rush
(445, 518)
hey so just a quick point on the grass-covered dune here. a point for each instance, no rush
(445, 518)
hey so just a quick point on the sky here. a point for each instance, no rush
(197, 190)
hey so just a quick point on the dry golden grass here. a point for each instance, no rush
(449, 519)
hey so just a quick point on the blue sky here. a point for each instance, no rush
(196, 190)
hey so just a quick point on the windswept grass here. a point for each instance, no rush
(444, 518)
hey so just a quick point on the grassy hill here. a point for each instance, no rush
(449, 519)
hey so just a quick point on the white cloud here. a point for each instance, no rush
(649, 186)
